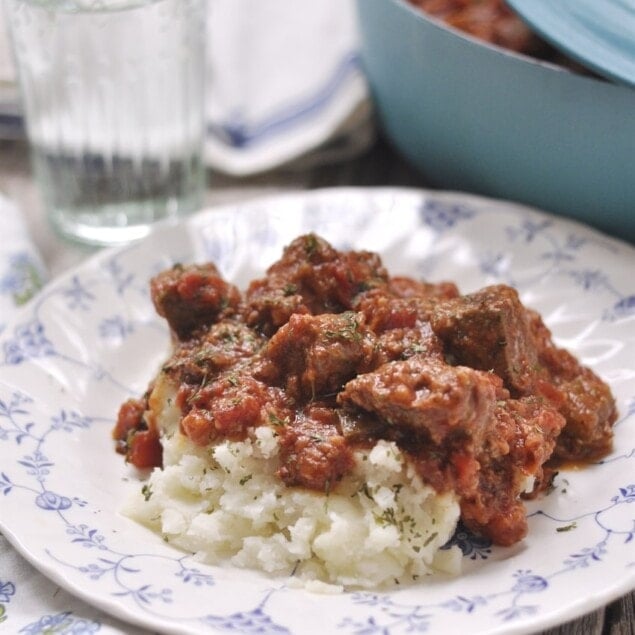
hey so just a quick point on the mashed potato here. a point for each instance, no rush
(380, 525)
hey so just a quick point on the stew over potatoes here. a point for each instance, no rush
(334, 353)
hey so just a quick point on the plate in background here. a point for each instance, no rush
(91, 339)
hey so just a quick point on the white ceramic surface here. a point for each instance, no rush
(21, 269)
(91, 339)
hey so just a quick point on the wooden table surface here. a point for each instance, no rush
(379, 166)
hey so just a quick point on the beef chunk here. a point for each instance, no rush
(312, 278)
(464, 433)
(425, 395)
(518, 442)
(590, 411)
(402, 343)
(313, 452)
(403, 302)
(581, 396)
(314, 355)
(404, 287)
(489, 330)
(192, 297)
(492, 329)
(221, 347)
(136, 435)
(130, 419)
(384, 312)
(226, 407)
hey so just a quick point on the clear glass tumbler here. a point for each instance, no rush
(113, 93)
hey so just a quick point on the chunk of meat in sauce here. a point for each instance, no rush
(402, 303)
(426, 395)
(489, 20)
(403, 343)
(314, 355)
(405, 287)
(493, 329)
(384, 312)
(590, 411)
(219, 348)
(313, 278)
(519, 440)
(313, 451)
(402, 324)
(489, 330)
(335, 354)
(464, 434)
(192, 297)
(582, 397)
(135, 438)
(226, 407)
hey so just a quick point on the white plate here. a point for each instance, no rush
(91, 339)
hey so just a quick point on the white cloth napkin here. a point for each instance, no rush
(285, 78)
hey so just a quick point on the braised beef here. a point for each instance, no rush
(402, 343)
(583, 398)
(313, 451)
(219, 348)
(403, 287)
(489, 20)
(316, 355)
(225, 406)
(135, 436)
(311, 277)
(334, 354)
(489, 330)
(517, 443)
(494, 21)
(192, 297)
(426, 395)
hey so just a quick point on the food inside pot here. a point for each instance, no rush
(493, 21)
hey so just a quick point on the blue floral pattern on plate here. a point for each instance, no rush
(91, 339)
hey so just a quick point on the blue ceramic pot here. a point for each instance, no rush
(478, 118)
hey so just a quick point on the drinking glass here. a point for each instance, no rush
(113, 96)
